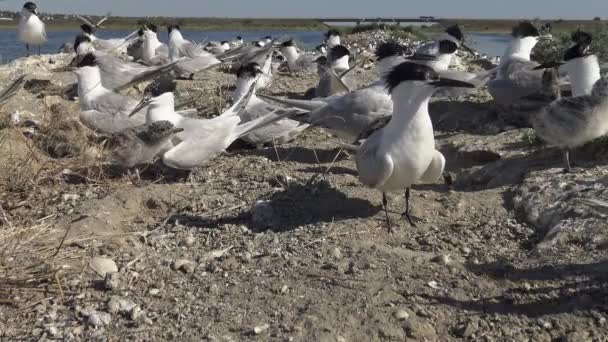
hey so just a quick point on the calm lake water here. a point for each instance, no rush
(10, 49)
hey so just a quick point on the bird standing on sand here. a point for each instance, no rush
(31, 30)
(573, 121)
(403, 152)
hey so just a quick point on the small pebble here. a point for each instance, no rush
(336, 253)
(189, 241)
(261, 328)
(153, 292)
(183, 265)
(103, 266)
(401, 315)
(442, 259)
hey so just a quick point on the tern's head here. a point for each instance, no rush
(338, 51)
(332, 33)
(288, 43)
(322, 48)
(87, 29)
(447, 47)
(151, 27)
(247, 71)
(157, 95)
(172, 28)
(84, 64)
(30, 7)
(526, 32)
(239, 38)
(411, 79)
(455, 32)
(82, 45)
(581, 48)
(389, 49)
(159, 130)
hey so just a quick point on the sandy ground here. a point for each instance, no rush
(279, 244)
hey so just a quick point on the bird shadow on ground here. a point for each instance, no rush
(296, 206)
(583, 287)
(299, 154)
(467, 116)
(155, 173)
(336, 170)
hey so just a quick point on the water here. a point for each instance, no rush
(10, 49)
(490, 43)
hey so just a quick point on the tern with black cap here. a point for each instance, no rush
(31, 30)
(403, 152)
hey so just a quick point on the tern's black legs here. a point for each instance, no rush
(38, 50)
(27, 48)
(388, 219)
(407, 208)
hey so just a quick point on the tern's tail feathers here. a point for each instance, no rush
(268, 119)
(12, 89)
(148, 75)
(308, 105)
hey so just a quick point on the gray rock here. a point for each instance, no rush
(420, 329)
(565, 208)
(263, 215)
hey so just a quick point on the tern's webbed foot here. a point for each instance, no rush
(411, 219)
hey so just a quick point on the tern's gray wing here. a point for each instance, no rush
(374, 167)
(351, 114)
(283, 130)
(104, 122)
(572, 121)
(113, 103)
(115, 72)
(517, 79)
(195, 65)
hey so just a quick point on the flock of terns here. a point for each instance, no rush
(386, 123)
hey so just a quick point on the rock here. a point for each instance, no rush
(120, 305)
(420, 329)
(98, 319)
(577, 336)
(466, 250)
(183, 265)
(442, 259)
(401, 315)
(565, 209)
(260, 329)
(189, 241)
(263, 215)
(336, 253)
(154, 292)
(102, 266)
(467, 330)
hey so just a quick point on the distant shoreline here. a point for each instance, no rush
(497, 26)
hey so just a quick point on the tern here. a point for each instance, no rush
(281, 131)
(298, 62)
(442, 49)
(31, 29)
(195, 57)
(573, 121)
(337, 78)
(350, 114)
(109, 45)
(202, 139)
(516, 79)
(403, 152)
(117, 74)
(332, 38)
(154, 52)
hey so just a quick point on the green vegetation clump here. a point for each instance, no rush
(397, 31)
(553, 49)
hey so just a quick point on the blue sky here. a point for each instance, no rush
(580, 9)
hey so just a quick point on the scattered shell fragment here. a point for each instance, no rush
(103, 266)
